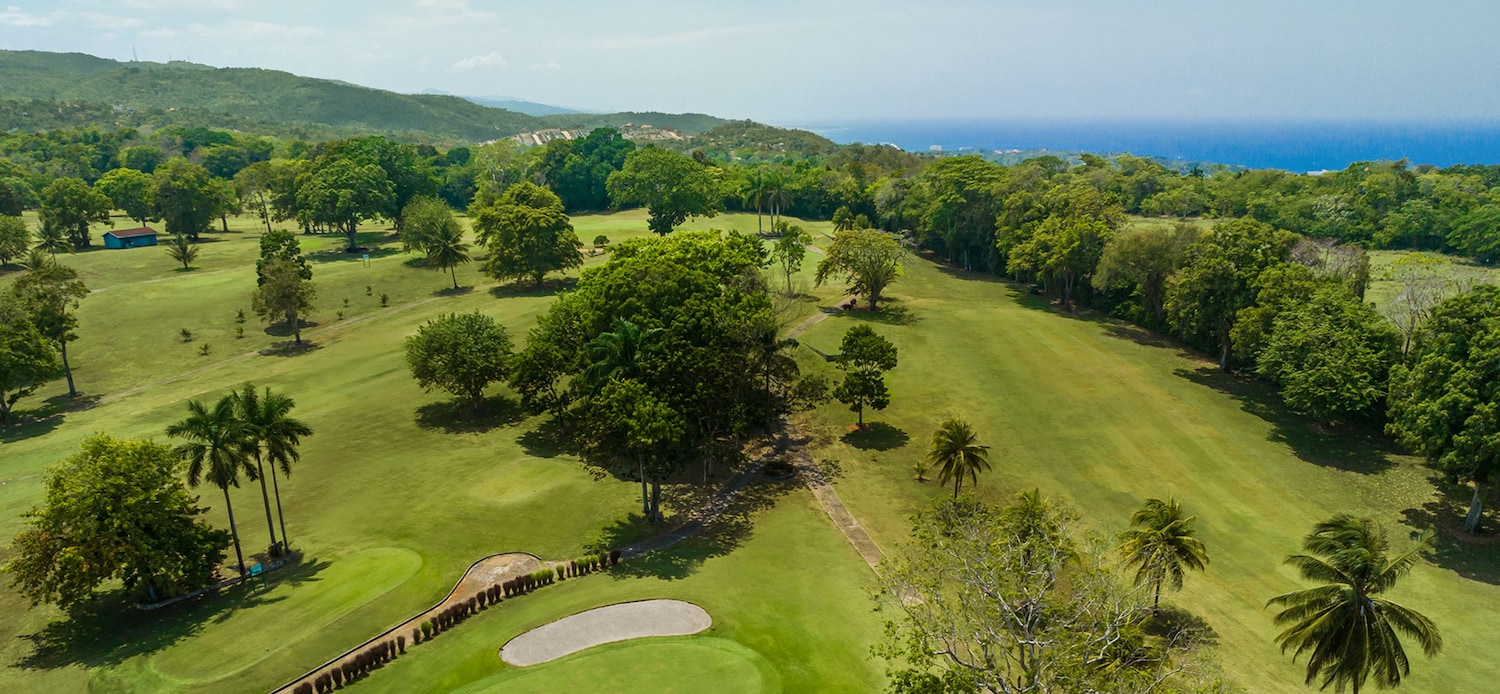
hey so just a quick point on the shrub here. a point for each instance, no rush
(203, 349)
(340, 315)
(367, 290)
(239, 332)
(473, 605)
(187, 335)
(239, 316)
(338, 674)
(614, 557)
(427, 628)
(560, 571)
(416, 636)
(384, 300)
(346, 302)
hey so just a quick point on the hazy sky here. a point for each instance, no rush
(804, 62)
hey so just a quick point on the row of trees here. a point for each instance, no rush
(1019, 599)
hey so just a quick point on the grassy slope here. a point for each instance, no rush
(1106, 415)
(387, 524)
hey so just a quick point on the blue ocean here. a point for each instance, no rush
(1298, 146)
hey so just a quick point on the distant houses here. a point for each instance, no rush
(130, 238)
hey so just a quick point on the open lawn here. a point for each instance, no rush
(1105, 415)
(395, 496)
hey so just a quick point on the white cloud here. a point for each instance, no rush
(489, 60)
(16, 17)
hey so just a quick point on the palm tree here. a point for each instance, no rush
(216, 448)
(276, 436)
(38, 260)
(957, 453)
(53, 239)
(446, 250)
(1162, 546)
(777, 195)
(1350, 633)
(617, 354)
(756, 193)
(182, 250)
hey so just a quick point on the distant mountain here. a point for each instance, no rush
(509, 103)
(142, 93)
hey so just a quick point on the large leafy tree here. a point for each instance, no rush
(868, 260)
(789, 250)
(342, 193)
(15, 237)
(1445, 399)
(528, 234)
(1349, 631)
(131, 192)
(52, 292)
(965, 194)
(626, 416)
(578, 170)
(1218, 280)
(217, 446)
(1331, 356)
(671, 186)
(186, 197)
(462, 353)
(284, 294)
(864, 357)
(957, 453)
(280, 245)
(276, 437)
(27, 357)
(69, 205)
(1162, 545)
(116, 510)
(424, 219)
(409, 175)
(1141, 260)
(617, 354)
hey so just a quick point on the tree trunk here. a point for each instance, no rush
(276, 489)
(759, 228)
(265, 498)
(296, 327)
(454, 271)
(234, 533)
(1476, 510)
(957, 480)
(1156, 601)
(645, 499)
(1224, 355)
(656, 501)
(224, 222)
(861, 413)
(4, 408)
(67, 370)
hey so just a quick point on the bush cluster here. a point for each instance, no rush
(353, 667)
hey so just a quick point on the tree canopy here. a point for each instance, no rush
(528, 234)
(671, 186)
(869, 260)
(462, 353)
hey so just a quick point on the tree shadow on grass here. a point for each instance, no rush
(450, 291)
(716, 538)
(891, 313)
(548, 287)
(1176, 625)
(291, 349)
(877, 436)
(547, 440)
(283, 329)
(26, 424)
(113, 631)
(1352, 447)
(456, 417)
(1474, 557)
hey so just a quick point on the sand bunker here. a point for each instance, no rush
(630, 620)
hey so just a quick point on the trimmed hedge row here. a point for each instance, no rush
(352, 668)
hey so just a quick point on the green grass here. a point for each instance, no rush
(395, 496)
(1384, 285)
(655, 665)
(1105, 415)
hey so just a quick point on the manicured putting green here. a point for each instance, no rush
(658, 666)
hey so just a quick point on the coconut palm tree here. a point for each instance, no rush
(755, 194)
(216, 448)
(182, 250)
(1161, 546)
(1349, 632)
(957, 454)
(446, 250)
(53, 239)
(617, 354)
(777, 195)
(276, 436)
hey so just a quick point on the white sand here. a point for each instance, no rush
(630, 620)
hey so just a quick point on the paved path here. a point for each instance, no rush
(832, 505)
(601, 625)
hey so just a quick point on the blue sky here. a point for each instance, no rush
(811, 62)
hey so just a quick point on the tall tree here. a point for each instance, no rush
(1331, 356)
(625, 412)
(15, 237)
(116, 510)
(280, 245)
(52, 293)
(1142, 259)
(617, 354)
(528, 234)
(342, 193)
(27, 357)
(864, 357)
(462, 353)
(1217, 281)
(424, 219)
(869, 260)
(284, 294)
(277, 437)
(1162, 545)
(186, 197)
(69, 205)
(131, 192)
(957, 453)
(789, 250)
(756, 193)
(216, 445)
(1445, 400)
(1349, 632)
(671, 186)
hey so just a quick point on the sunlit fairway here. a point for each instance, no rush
(1104, 415)
(395, 496)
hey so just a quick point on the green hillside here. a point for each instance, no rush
(113, 93)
